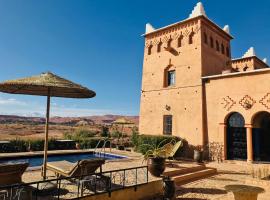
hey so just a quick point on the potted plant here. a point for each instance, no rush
(198, 154)
(156, 156)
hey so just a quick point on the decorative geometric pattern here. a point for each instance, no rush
(196, 29)
(148, 43)
(155, 42)
(227, 103)
(247, 102)
(266, 101)
(165, 39)
(175, 36)
(186, 33)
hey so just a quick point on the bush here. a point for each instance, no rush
(139, 140)
(134, 138)
(91, 143)
(116, 134)
(18, 145)
(104, 131)
(79, 134)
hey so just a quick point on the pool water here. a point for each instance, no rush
(38, 160)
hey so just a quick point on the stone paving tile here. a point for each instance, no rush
(212, 188)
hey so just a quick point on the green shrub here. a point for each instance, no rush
(104, 131)
(116, 134)
(139, 140)
(37, 145)
(134, 138)
(91, 143)
(18, 145)
(79, 134)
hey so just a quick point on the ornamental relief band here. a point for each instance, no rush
(247, 102)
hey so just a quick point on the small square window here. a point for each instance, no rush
(167, 124)
(171, 78)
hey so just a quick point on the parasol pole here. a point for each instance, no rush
(46, 135)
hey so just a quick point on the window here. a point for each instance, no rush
(150, 49)
(190, 39)
(222, 49)
(179, 41)
(167, 124)
(228, 51)
(205, 38)
(211, 42)
(159, 47)
(171, 78)
(217, 45)
(245, 68)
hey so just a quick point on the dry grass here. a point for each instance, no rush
(36, 131)
(27, 131)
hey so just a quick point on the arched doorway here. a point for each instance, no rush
(236, 137)
(261, 136)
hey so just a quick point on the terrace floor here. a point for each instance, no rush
(203, 189)
(213, 187)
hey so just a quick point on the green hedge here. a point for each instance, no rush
(18, 145)
(38, 145)
(139, 140)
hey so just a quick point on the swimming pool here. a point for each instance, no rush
(35, 161)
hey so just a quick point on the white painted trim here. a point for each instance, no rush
(237, 73)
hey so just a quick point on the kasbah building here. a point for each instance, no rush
(192, 88)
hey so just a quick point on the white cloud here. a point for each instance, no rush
(11, 106)
(11, 101)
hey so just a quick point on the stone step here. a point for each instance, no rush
(193, 176)
(184, 170)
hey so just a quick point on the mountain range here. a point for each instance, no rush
(99, 119)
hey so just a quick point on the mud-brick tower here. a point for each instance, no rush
(176, 57)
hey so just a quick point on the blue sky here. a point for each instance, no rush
(98, 44)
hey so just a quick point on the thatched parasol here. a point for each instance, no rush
(50, 85)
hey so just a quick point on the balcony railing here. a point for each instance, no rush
(77, 187)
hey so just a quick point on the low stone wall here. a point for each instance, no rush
(143, 191)
(260, 183)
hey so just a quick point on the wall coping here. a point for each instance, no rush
(257, 71)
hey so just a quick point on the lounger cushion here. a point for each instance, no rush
(61, 166)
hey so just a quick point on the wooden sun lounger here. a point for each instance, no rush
(80, 168)
(12, 173)
(83, 168)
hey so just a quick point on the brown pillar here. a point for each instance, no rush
(223, 131)
(249, 143)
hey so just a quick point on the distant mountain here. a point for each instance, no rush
(102, 119)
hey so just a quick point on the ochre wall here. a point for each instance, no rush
(226, 95)
(143, 192)
(184, 99)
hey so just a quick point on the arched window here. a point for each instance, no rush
(179, 41)
(190, 38)
(236, 120)
(150, 49)
(217, 45)
(159, 46)
(211, 42)
(222, 49)
(169, 43)
(228, 51)
(205, 38)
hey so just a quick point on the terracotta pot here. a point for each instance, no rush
(78, 146)
(198, 156)
(168, 187)
(156, 166)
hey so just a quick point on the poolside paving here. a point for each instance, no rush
(211, 188)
